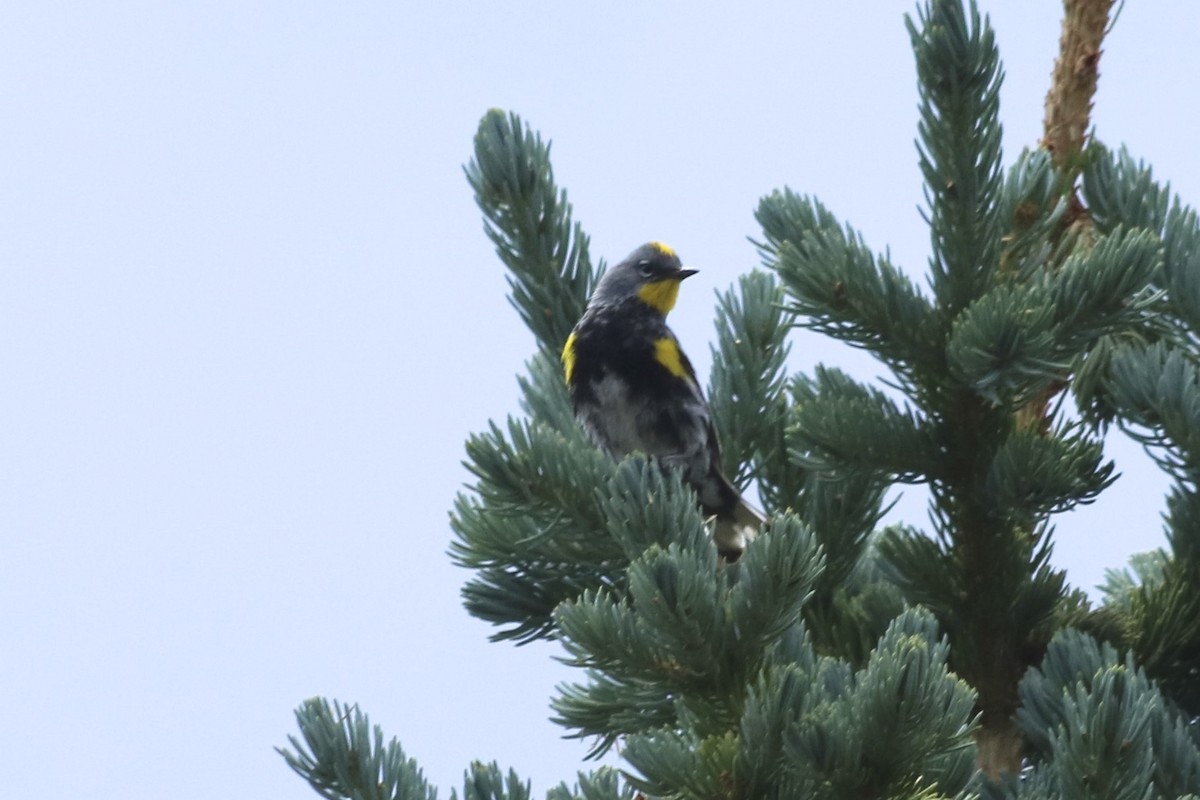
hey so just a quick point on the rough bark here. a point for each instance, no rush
(1068, 118)
(1065, 129)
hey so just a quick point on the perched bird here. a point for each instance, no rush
(633, 389)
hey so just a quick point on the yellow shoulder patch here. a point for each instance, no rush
(660, 295)
(664, 249)
(568, 357)
(667, 353)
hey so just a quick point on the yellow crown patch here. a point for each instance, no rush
(664, 249)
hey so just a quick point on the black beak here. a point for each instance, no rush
(682, 273)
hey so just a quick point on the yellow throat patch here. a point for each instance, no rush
(660, 295)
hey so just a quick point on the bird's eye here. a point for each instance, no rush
(646, 268)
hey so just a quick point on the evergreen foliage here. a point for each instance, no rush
(343, 756)
(835, 659)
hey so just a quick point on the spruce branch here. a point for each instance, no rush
(551, 517)
(1043, 475)
(1099, 727)
(343, 758)
(671, 595)
(809, 727)
(1158, 391)
(1018, 339)
(748, 381)
(1121, 191)
(533, 530)
(487, 782)
(529, 220)
(838, 287)
(1155, 392)
(958, 67)
(1183, 525)
(1104, 290)
(845, 619)
(923, 568)
(603, 784)
(797, 671)
(544, 395)
(1144, 569)
(1004, 345)
(684, 764)
(1163, 629)
(684, 629)
(901, 727)
(1032, 207)
(608, 708)
(645, 506)
(1181, 270)
(529, 465)
(1016, 305)
(778, 698)
(842, 426)
(843, 511)
(842, 506)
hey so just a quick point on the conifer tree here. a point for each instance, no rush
(835, 659)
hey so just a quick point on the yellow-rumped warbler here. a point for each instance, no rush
(633, 389)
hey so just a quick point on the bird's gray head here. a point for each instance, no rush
(651, 273)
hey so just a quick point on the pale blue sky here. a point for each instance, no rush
(250, 316)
